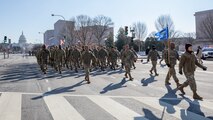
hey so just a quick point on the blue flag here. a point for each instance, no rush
(163, 34)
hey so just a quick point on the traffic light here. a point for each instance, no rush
(5, 39)
(9, 41)
(126, 30)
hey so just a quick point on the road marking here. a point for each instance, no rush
(61, 109)
(10, 106)
(160, 105)
(46, 80)
(49, 89)
(115, 109)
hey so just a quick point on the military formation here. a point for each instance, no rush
(100, 57)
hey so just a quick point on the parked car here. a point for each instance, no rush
(207, 53)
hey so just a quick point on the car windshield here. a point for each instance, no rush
(208, 50)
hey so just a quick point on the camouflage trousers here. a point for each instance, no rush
(87, 70)
(190, 80)
(172, 73)
(154, 64)
(43, 65)
(103, 63)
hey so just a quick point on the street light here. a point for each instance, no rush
(59, 16)
(43, 36)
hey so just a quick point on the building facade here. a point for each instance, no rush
(65, 31)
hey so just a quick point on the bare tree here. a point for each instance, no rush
(206, 27)
(152, 34)
(189, 37)
(83, 29)
(140, 30)
(101, 26)
(164, 21)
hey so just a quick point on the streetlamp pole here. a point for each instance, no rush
(43, 36)
(66, 35)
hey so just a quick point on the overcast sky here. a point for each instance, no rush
(33, 16)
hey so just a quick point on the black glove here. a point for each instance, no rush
(168, 65)
(204, 68)
(180, 72)
(147, 60)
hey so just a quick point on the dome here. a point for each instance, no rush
(22, 39)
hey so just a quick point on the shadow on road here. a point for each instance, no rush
(169, 100)
(113, 86)
(149, 80)
(60, 90)
(194, 107)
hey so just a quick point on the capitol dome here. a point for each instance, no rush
(22, 39)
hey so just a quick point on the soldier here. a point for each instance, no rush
(121, 57)
(38, 57)
(59, 58)
(128, 56)
(44, 57)
(76, 55)
(199, 54)
(87, 57)
(136, 56)
(153, 55)
(187, 64)
(52, 56)
(95, 52)
(102, 57)
(113, 57)
(163, 55)
(171, 57)
(67, 57)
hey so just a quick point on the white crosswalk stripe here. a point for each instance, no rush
(61, 109)
(10, 106)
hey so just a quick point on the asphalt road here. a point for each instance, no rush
(27, 94)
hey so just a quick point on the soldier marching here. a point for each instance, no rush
(100, 57)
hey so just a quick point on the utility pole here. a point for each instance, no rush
(5, 40)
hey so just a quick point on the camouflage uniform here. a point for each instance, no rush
(187, 64)
(128, 56)
(113, 58)
(59, 59)
(153, 55)
(67, 57)
(95, 52)
(44, 57)
(102, 57)
(136, 56)
(76, 55)
(171, 58)
(87, 57)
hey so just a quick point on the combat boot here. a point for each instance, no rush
(181, 89)
(126, 75)
(178, 84)
(167, 83)
(196, 96)
(151, 72)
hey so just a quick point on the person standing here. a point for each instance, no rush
(187, 66)
(199, 54)
(87, 57)
(171, 57)
(153, 55)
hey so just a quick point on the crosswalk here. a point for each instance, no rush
(17, 106)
